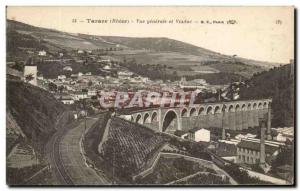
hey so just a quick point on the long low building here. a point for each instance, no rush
(248, 152)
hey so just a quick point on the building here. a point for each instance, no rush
(80, 52)
(124, 74)
(248, 152)
(68, 68)
(227, 150)
(67, 100)
(79, 95)
(30, 72)
(106, 67)
(284, 134)
(198, 135)
(193, 84)
(42, 53)
(61, 77)
(92, 92)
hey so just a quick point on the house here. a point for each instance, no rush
(80, 52)
(106, 67)
(68, 68)
(67, 100)
(74, 76)
(241, 136)
(79, 95)
(124, 74)
(61, 77)
(284, 134)
(92, 92)
(198, 135)
(42, 53)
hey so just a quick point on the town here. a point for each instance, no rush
(100, 117)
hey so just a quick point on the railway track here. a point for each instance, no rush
(54, 152)
(56, 158)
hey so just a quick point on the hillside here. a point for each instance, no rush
(129, 147)
(278, 84)
(34, 111)
(174, 55)
(171, 45)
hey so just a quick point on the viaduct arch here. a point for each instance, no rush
(235, 115)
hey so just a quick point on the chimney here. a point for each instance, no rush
(223, 125)
(262, 159)
(269, 137)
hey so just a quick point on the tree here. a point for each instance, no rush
(60, 89)
(18, 66)
(29, 77)
(273, 133)
(52, 87)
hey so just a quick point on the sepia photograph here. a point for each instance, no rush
(168, 96)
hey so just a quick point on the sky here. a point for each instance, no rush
(259, 33)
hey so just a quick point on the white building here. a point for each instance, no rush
(92, 92)
(68, 68)
(284, 134)
(80, 51)
(61, 77)
(67, 101)
(79, 95)
(42, 53)
(198, 135)
(106, 67)
(124, 74)
(30, 74)
(241, 136)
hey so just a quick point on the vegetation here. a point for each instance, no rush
(285, 157)
(18, 176)
(171, 169)
(161, 72)
(204, 179)
(154, 72)
(129, 147)
(35, 111)
(278, 84)
(16, 40)
(242, 176)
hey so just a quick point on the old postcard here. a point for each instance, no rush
(143, 96)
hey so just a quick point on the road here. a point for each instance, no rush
(67, 159)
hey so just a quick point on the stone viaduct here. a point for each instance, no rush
(234, 115)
